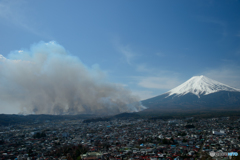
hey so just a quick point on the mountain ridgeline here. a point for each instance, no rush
(198, 93)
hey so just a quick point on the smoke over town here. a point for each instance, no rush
(47, 80)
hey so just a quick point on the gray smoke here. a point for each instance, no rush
(47, 80)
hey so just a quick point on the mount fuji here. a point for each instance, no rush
(199, 92)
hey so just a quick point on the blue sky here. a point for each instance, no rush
(149, 47)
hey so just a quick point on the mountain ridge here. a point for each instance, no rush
(200, 85)
(199, 92)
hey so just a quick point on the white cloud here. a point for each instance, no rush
(229, 75)
(2, 58)
(13, 12)
(156, 78)
(158, 82)
(220, 25)
(155, 85)
(126, 50)
(151, 77)
(143, 94)
(128, 54)
(16, 13)
(144, 68)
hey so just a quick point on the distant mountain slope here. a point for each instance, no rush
(11, 119)
(200, 85)
(197, 92)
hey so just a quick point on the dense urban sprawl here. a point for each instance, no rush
(186, 138)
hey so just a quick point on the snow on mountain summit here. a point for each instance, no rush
(200, 85)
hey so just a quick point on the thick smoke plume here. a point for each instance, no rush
(47, 80)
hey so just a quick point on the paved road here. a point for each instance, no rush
(200, 150)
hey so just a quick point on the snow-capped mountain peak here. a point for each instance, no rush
(200, 85)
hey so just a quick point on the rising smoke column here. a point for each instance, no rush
(47, 80)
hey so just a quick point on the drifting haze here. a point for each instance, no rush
(47, 80)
